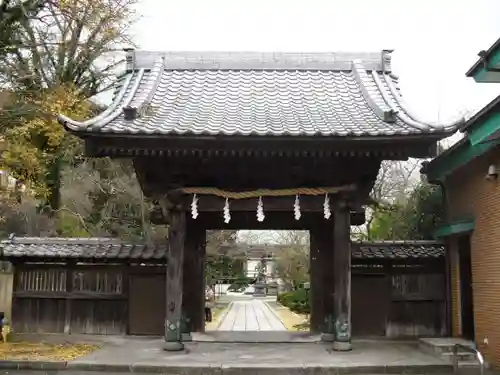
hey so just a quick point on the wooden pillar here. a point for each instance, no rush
(317, 315)
(194, 278)
(342, 277)
(322, 283)
(175, 260)
(201, 281)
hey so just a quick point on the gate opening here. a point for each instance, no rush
(257, 280)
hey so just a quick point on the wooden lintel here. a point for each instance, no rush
(274, 219)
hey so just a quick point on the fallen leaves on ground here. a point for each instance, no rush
(291, 320)
(28, 351)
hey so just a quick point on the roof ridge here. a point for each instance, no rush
(112, 112)
(138, 107)
(76, 125)
(241, 60)
(376, 102)
(446, 127)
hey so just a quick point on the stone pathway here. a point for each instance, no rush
(251, 315)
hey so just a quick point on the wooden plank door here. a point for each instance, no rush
(147, 304)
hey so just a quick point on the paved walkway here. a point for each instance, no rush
(251, 315)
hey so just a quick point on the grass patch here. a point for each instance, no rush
(28, 351)
(217, 314)
(293, 322)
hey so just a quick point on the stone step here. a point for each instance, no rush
(468, 364)
(462, 356)
(439, 346)
(232, 368)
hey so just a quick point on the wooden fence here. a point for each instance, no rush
(398, 300)
(387, 300)
(60, 299)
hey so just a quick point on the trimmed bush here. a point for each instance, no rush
(297, 301)
(239, 285)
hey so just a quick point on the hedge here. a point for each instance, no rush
(297, 301)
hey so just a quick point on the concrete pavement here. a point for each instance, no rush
(142, 355)
(250, 315)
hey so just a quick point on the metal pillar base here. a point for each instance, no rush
(342, 346)
(173, 346)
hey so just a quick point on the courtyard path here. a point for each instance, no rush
(251, 315)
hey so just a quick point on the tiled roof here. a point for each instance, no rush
(397, 250)
(109, 249)
(78, 248)
(263, 94)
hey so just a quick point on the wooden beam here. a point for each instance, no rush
(161, 174)
(247, 220)
(231, 146)
(174, 289)
(273, 220)
(342, 277)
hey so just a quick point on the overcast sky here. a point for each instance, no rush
(434, 41)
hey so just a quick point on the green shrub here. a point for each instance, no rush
(297, 301)
(239, 285)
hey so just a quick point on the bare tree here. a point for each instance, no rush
(292, 263)
(70, 42)
(103, 198)
(393, 184)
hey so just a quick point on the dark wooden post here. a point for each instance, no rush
(342, 277)
(175, 260)
(317, 310)
(322, 283)
(194, 278)
(200, 285)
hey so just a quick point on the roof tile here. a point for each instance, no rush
(336, 95)
(109, 249)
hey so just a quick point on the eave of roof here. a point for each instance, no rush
(460, 154)
(487, 68)
(482, 135)
(173, 93)
(486, 124)
(481, 116)
(455, 228)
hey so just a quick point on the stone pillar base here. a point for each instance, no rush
(173, 346)
(327, 337)
(342, 346)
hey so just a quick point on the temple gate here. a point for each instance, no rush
(258, 141)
